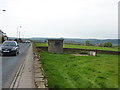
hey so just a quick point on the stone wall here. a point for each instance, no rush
(73, 50)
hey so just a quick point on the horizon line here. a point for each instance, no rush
(67, 37)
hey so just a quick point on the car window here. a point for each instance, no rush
(9, 44)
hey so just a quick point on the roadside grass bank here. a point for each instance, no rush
(68, 71)
(82, 47)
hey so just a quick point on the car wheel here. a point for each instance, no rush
(16, 53)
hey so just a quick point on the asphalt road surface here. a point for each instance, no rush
(10, 65)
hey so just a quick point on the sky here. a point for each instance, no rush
(88, 19)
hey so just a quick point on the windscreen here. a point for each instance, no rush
(9, 44)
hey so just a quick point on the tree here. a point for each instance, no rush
(3, 39)
(107, 44)
(16, 40)
(87, 43)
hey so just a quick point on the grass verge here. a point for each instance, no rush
(67, 71)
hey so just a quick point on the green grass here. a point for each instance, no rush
(82, 47)
(41, 44)
(67, 71)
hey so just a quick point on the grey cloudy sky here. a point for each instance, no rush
(60, 18)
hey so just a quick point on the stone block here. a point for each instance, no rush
(38, 70)
(55, 45)
(92, 53)
(40, 84)
(40, 75)
(39, 80)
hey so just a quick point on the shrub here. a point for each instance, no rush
(108, 44)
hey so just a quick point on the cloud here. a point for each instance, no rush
(66, 18)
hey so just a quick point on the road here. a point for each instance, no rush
(10, 65)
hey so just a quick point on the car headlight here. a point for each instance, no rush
(13, 48)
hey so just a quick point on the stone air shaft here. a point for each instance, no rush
(55, 45)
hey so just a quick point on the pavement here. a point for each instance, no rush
(25, 75)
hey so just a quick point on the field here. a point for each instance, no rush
(68, 71)
(82, 47)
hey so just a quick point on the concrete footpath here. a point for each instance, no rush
(25, 76)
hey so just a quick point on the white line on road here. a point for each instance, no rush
(14, 83)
